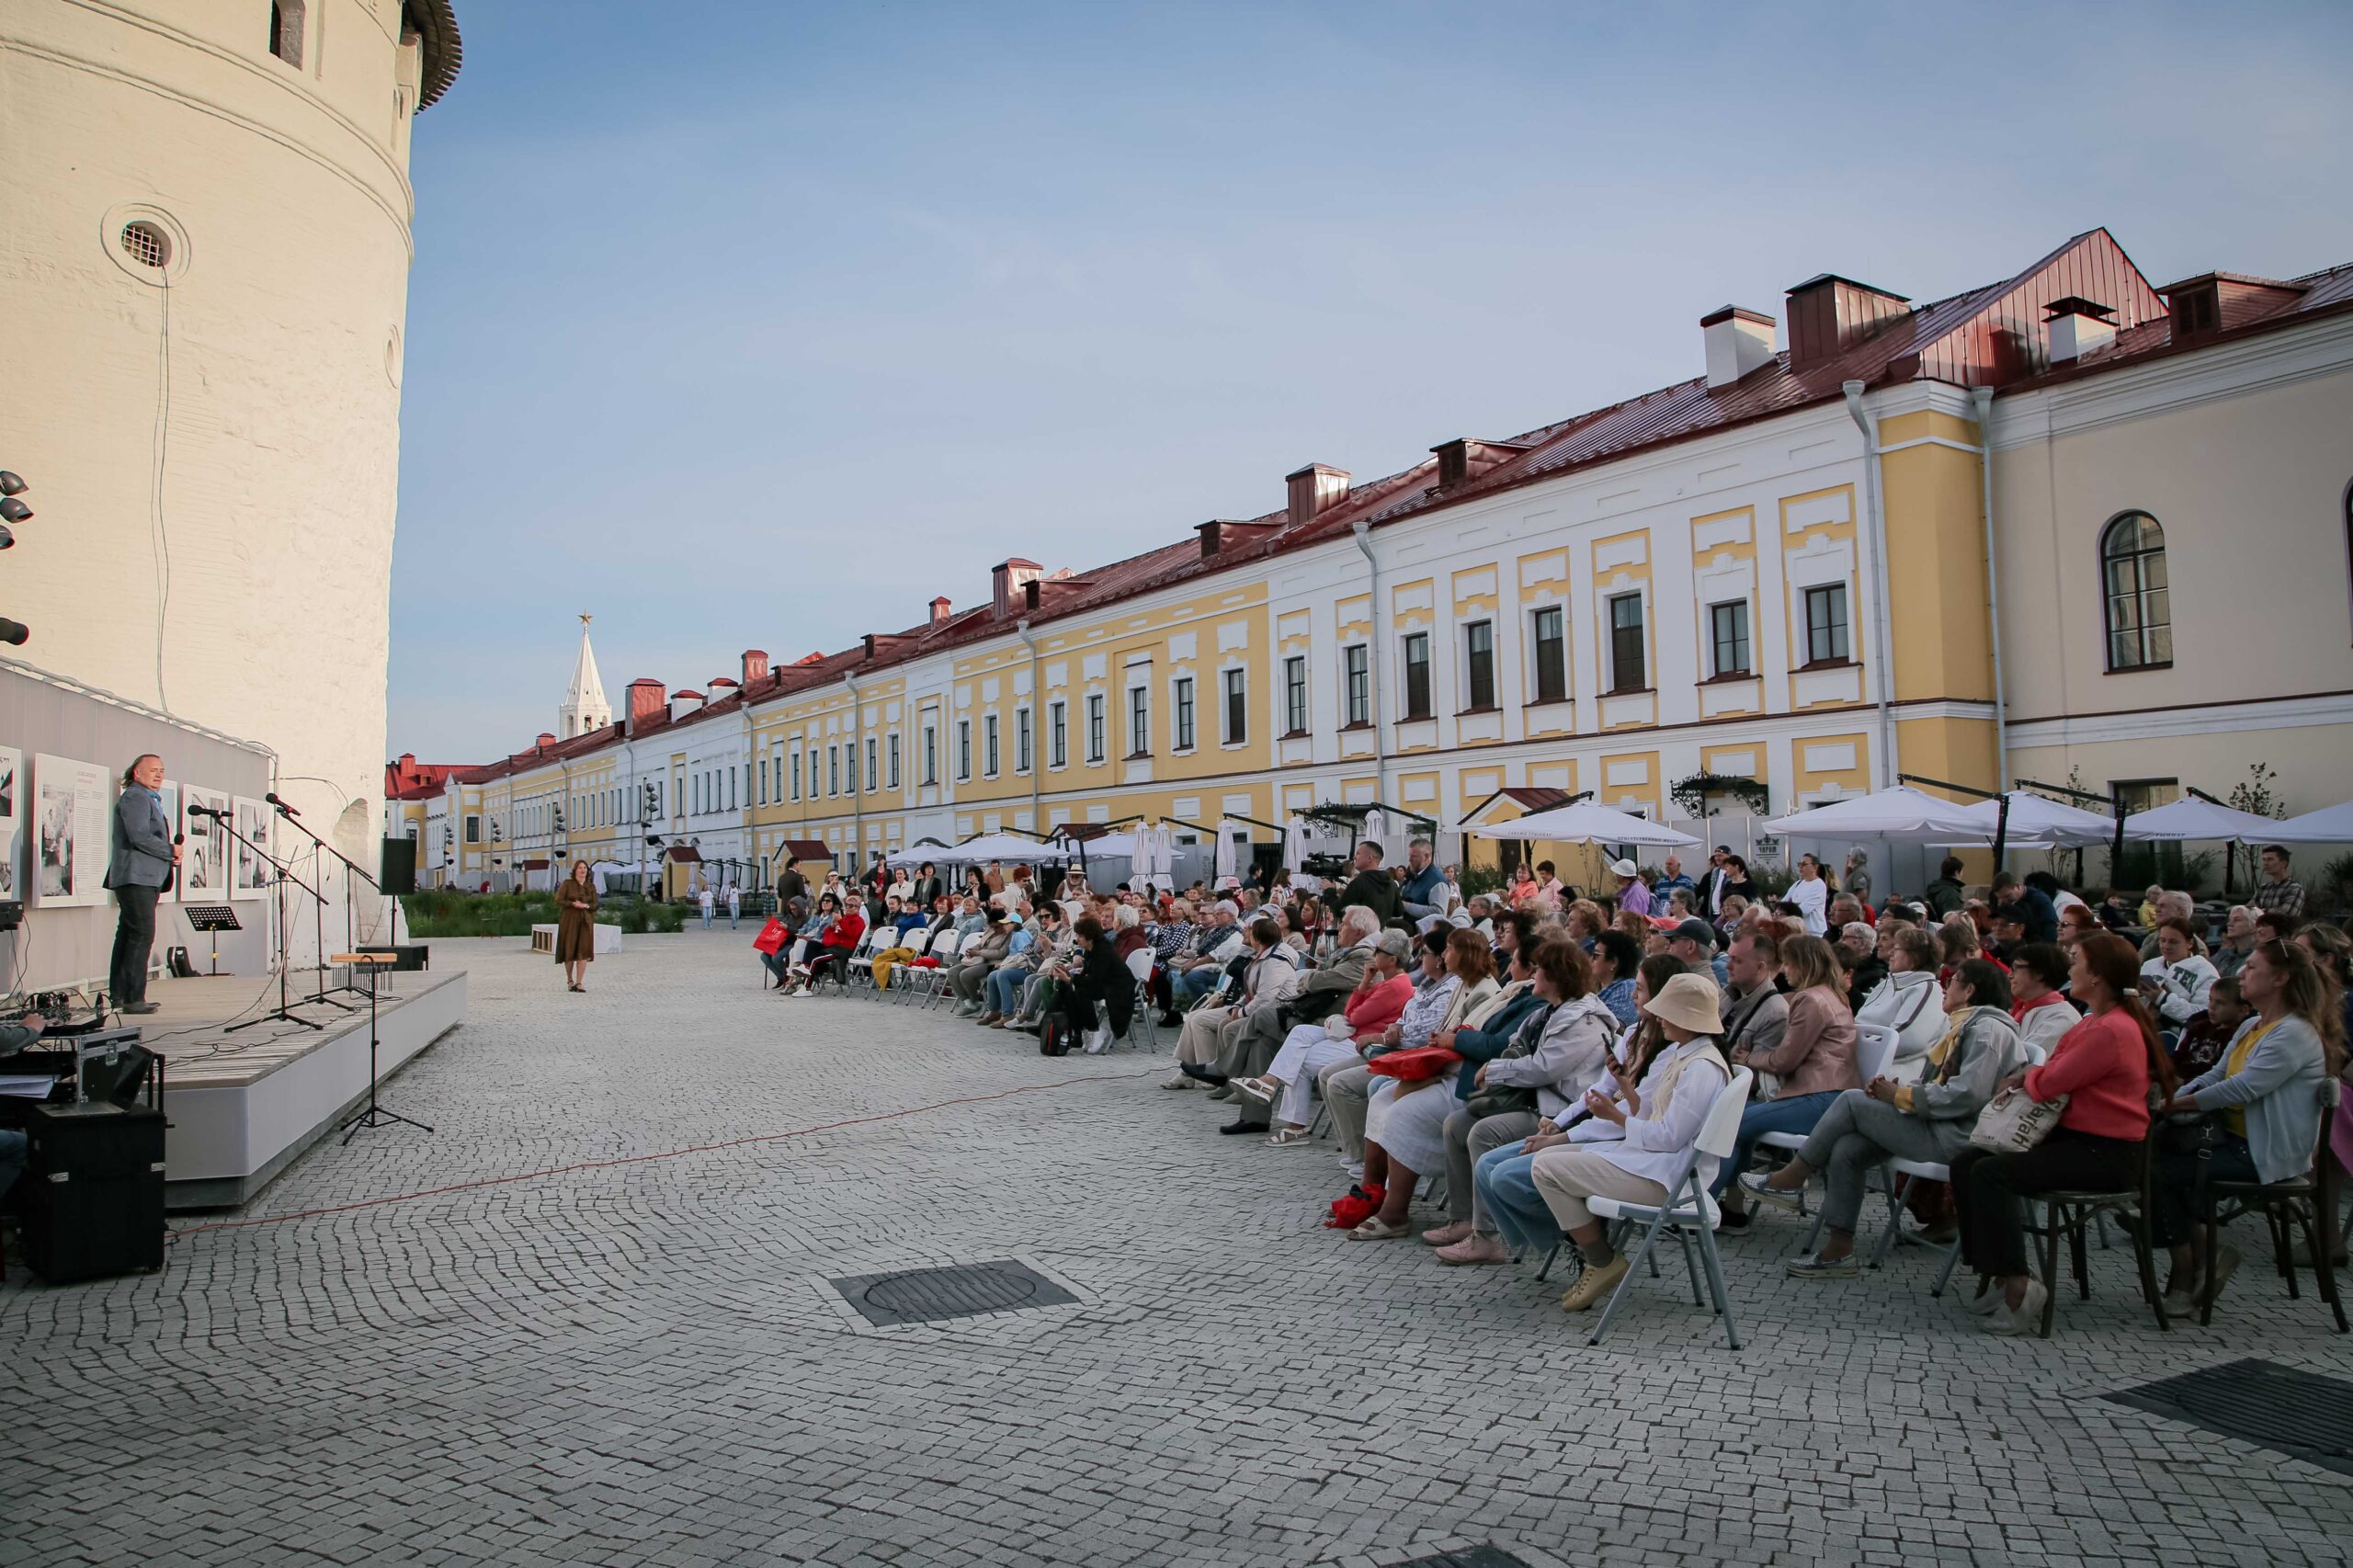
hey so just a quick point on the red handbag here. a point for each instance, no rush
(772, 936)
(1418, 1065)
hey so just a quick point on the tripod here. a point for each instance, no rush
(350, 915)
(285, 875)
(374, 1115)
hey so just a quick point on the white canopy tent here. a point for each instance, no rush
(1003, 846)
(1900, 815)
(2330, 824)
(2037, 822)
(2190, 818)
(1586, 822)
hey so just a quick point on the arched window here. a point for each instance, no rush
(2135, 596)
(286, 31)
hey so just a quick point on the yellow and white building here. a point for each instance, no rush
(1777, 571)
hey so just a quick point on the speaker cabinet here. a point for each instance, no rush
(396, 866)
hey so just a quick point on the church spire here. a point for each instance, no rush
(585, 707)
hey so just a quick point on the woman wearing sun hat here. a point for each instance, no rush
(1633, 1142)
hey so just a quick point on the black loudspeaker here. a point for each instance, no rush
(396, 866)
(175, 960)
(91, 1200)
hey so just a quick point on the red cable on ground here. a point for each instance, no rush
(637, 1159)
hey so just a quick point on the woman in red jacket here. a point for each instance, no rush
(2105, 1066)
(834, 948)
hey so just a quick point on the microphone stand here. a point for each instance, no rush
(351, 916)
(285, 875)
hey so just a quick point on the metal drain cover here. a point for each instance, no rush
(1471, 1557)
(969, 1289)
(2296, 1413)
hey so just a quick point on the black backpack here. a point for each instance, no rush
(1054, 1036)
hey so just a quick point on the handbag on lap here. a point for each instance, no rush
(2013, 1122)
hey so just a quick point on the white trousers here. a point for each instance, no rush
(1305, 1053)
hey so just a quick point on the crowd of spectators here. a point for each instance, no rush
(1533, 1050)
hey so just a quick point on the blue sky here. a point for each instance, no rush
(759, 325)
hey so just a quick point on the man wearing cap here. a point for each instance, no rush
(1633, 897)
(1694, 941)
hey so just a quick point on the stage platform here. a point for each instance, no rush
(243, 1106)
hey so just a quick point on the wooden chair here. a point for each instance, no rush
(2307, 1203)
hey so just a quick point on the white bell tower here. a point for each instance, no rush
(585, 707)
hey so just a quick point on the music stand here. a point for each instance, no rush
(212, 918)
(374, 1115)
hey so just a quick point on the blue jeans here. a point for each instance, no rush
(775, 962)
(1190, 985)
(1795, 1113)
(1004, 988)
(1507, 1195)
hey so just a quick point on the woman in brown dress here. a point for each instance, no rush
(575, 925)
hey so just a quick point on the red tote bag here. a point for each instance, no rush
(772, 936)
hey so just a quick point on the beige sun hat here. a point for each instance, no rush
(1688, 1001)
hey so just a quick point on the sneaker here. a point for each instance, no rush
(2180, 1303)
(1099, 1042)
(2028, 1319)
(1598, 1281)
(1986, 1305)
(1823, 1268)
(1445, 1235)
(1730, 1223)
(1473, 1249)
(1753, 1183)
(1355, 1169)
(1180, 1082)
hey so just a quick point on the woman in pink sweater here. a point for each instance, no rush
(2104, 1066)
(1814, 1063)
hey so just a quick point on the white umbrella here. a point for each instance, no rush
(2330, 824)
(1586, 823)
(2203, 821)
(2039, 822)
(1000, 847)
(1901, 813)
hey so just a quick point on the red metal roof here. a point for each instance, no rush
(1993, 336)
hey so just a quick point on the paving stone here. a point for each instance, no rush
(567, 1341)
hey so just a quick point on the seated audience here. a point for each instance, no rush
(829, 954)
(1097, 978)
(1382, 999)
(1614, 957)
(2239, 937)
(2175, 982)
(2038, 1004)
(1928, 1121)
(1798, 1078)
(1907, 1000)
(1526, 1072)
(2105, 1067)
(1269, 978)
(2263, 1099)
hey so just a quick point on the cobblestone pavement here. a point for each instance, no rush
(638, 1360)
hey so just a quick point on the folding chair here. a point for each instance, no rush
(935, 978)
(1874, 1048)
(1140, 965)
(861, 960)
(1689, 1211)
(2307, 1203)
(1910, 1171)
(2069, 1215)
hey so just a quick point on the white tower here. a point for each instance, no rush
(585, 707)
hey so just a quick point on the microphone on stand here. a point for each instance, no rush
(283, 809)
(212, 812)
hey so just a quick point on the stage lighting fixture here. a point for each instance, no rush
(7, 539)
(14, 633)
(14, 511)
(10, 485)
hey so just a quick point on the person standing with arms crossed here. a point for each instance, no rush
(141, 863)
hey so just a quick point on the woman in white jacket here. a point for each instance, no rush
(1908, 1000)
(2176, 982)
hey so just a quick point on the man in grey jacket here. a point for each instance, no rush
(140, 864)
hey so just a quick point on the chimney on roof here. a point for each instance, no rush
(2076, 326)
(1030, 591)
(1738, 340)
(408, 760)
(546, 740)
(756, 665)
(868, 641)
(939, 609)
(1453, 462)
(1829, 315)
(685, 703)
(1007, 580)
(645, 702)
(1315, 490)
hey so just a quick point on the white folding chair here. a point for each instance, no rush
(1874, 1048)
(1140, 965)
(861, 959)
(1910, 1171)
(934, 981)
(1689, 1211)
